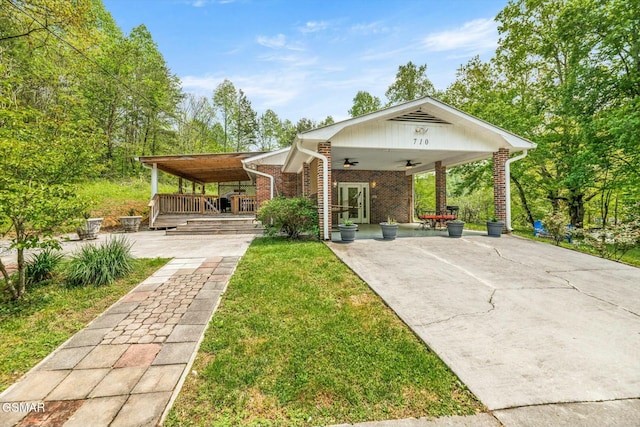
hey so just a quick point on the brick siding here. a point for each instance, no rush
(391, 196)
(500, 184)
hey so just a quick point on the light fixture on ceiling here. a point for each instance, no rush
(410, 164)
(348, 164)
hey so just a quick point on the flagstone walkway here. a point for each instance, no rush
(126, 367)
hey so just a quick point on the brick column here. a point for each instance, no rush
(324, 148)
(500, 158)
(441, 187)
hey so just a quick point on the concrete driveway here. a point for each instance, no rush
(522, 323)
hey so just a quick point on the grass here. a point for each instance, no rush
(51, 313)
(632, 257)
(300, 340)
(112, 199)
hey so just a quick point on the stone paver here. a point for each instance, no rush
(124, 368)
(97, 412)
(142, 410)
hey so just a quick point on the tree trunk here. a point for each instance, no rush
(576, 208)
(523, 199)
(7, 279)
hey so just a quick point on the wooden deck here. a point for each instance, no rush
(171, 210)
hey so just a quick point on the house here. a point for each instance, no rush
(361, 168)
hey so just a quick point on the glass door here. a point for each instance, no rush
(353, 199)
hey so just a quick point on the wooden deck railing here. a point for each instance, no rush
(197, 204)
(243, 204)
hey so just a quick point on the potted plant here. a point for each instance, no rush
(131, 223)
(455, 228)
(389, 229)
(494, 227)
(91, 228)
(348, 231)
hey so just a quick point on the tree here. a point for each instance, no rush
(557, 45)
(269, 129)
(42, 157)
(246, 123)
(225, 102)
(364, 103)
(196, 130)
(48, 138)
(411, 83)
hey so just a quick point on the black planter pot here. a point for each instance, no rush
(494, 228)
(455, 228)
(389, 231)
(348, 232)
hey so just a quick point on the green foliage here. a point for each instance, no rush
(100, 265)
(42, 265)
(556, 226)
(411, 83)
(612, 242)
(364, 103)
(291, 216)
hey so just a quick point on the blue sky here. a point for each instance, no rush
(309, 58)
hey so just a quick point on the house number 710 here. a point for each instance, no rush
(420, 141)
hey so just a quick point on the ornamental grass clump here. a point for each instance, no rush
(41, 266)
(100, 265)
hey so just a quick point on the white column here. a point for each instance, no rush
(154, 180)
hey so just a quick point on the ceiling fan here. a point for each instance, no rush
(348, 164)
(411, 164)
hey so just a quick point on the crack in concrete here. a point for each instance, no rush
(568, 402)
(475, 313)
(577, 289)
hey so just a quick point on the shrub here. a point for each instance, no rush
(614, 241)
(556, 226)
(100, 265)
(291, 216)
(41, 265)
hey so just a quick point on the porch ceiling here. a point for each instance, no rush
(202, 168)
(396, 159)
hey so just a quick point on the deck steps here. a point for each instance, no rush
(229, 225)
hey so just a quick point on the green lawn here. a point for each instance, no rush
(299, 340)
(49, 314)
(112, 199)
(632, 257)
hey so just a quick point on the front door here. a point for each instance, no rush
(353, 198)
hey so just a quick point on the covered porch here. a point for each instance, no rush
(362, 169)
(220, 187)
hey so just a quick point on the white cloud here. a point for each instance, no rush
(477, 35)
(274, 42)
(370, 28)
(278, 42)
(314, 27)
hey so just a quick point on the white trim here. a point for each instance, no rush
(245, 167)
(366, 200)
(154, 180)
(266, 155)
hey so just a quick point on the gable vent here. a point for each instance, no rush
(418, 116)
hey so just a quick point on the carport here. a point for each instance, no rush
(362, 168)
